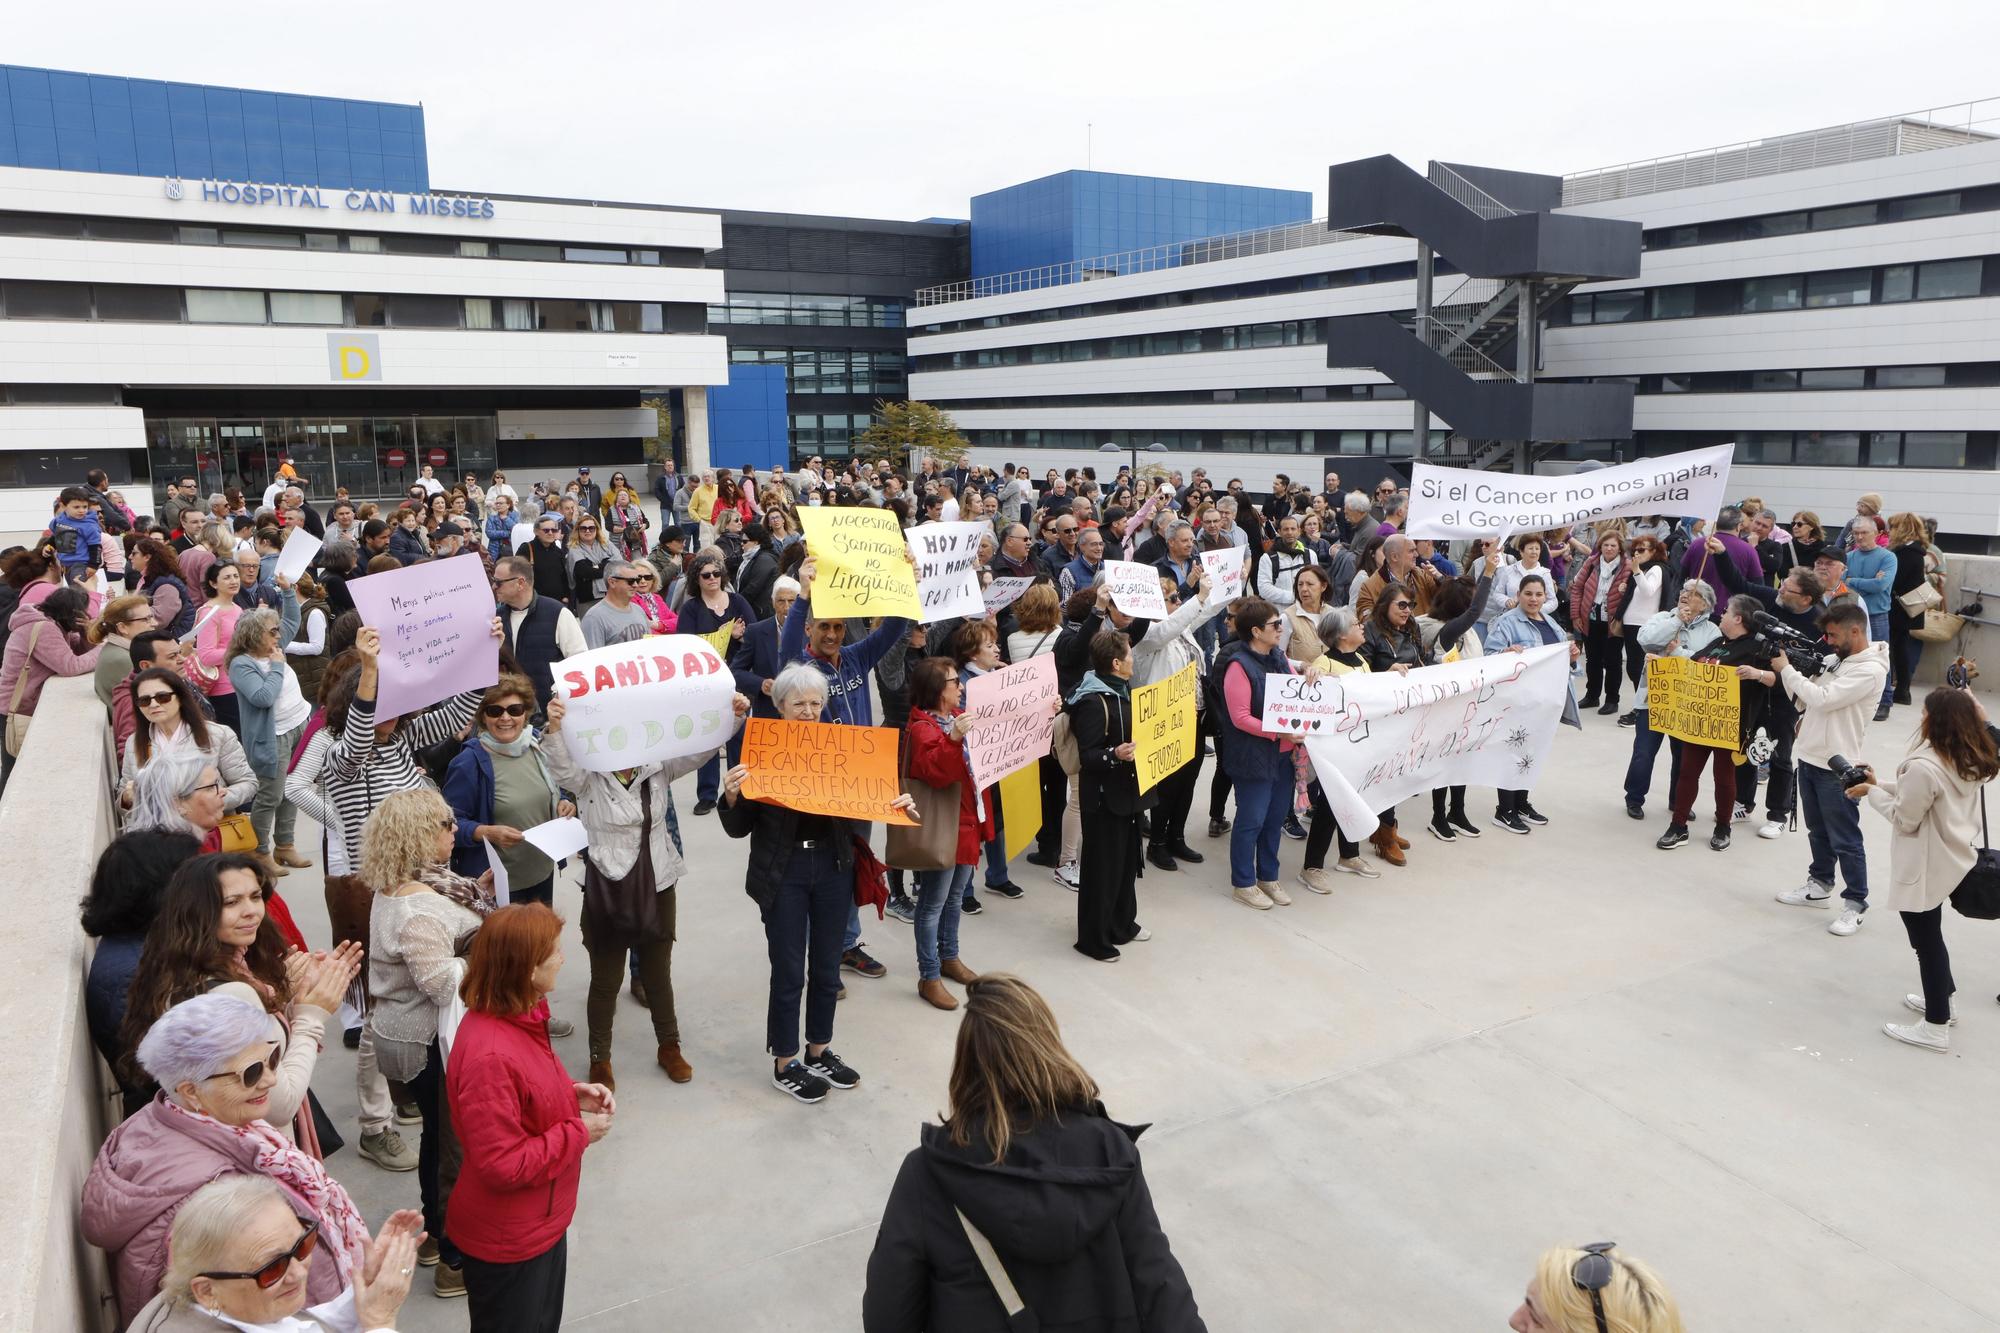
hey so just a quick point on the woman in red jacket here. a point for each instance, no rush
(523, 1125)
(936, 737)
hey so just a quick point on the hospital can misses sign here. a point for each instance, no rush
(314, 196)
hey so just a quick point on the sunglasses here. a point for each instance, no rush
(1800, 523)
(1592, 1273)
(253, 1073)
(556, 530)
(711, 573)
(155, 700)
(504, 710)
(1399, 606)
(271, 1274)
(586, 527)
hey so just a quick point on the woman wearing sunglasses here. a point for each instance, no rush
(590, 559)
(647, 596)
(171, 721)
(217, 1067)
(242, 1258)
(497, 787)
(1594, 1290)
(708, 605)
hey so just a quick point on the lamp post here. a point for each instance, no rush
(1154, 448)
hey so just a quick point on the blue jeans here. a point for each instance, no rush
(802, 930)
(1833, 829)
(996, 848)
(853, 935)
(1878, 632)
(1261, 807)
(1639, 773)
(939, 893)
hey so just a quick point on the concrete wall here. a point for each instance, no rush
(1965, 577)
(56, 817)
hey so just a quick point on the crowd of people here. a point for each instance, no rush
(239, 697)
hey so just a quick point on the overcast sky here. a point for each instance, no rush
(899, 110)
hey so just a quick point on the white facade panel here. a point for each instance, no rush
(1912, 333)
(585, 423)
(1849, 410)
(1210, 416)
(81, 429)
(1966, 502)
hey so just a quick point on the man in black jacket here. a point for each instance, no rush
(1796, 602)
(550, 561)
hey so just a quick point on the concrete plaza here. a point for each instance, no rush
(1370, 1111)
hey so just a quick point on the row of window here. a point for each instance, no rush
(1937, 280)
(371, 456)
(825, 312)
(67, 227)
(1213, 441)
(1231, 338)
(815, 432)
(1904, 208)
(831, 370)
(229, 305)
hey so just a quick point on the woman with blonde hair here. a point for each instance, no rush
(1594, 1290)
(1910, 546)
(121, 620)
(1027, 1153)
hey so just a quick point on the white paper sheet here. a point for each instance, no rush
(501, 894)
(559, 837)
(296, 555)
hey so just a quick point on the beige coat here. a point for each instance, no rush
(1934, 814)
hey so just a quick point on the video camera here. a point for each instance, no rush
(1808, 654)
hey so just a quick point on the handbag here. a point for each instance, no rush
(1978, 894)
(932, 842)
(1938, 626)
(621, 912)
(17, 723)
(1920, 599)
(1062, 744)
(238, 833)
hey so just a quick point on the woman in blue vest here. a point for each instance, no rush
(159, 573)
(1258, 762)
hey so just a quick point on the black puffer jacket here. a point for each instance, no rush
(773, 834)
(1068, 1213)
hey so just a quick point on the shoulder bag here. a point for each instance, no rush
(1937, 625)
(622, 912)
(17, 725)
(238, 833)
(1920, 599)
(932, 842)
(1978, 894)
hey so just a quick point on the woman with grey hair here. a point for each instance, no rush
(241, 1258)
(1682, 630)
(181, 792)
(1340, 631)
(266, 689)
(216, 1063)
(801, 876)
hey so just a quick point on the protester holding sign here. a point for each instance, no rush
(1676, 632)
(1342, 631)
(1163, 649)
(1527, 626)
(630, 870)
(711, 605)
(1100, 712)
(937, 758)
(1750, 656)
(1258, 762)
(801, 876)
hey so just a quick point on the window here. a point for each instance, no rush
(478, 312)
(214, 306)
(141, 303)
(127, 229)
(368, 312)
(1769, 446)
(1762, 294)
(525, 250)
(1673, 302)
(364, 245)
(1673, 238)
(517, 315)
(1947, 278)
(322, 240)
(1853, 378)
(423, 312)
(40, 224)
(1774, 379)
(1852, 215)
(280, 240)
(1618, 307)
(414, 244)
(306, 308)
(475, 249)
(564, 315)
(1934, 448)
(1885, 448)
(1848, 286)
(584, 254)
(1899, 282)
(1833, 448)
(1924, 206)
(200, 236)
(1775, 224)
(46, 300)
(646, 257)
(1909, 377)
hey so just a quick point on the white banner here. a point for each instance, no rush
(947, 556)
(1003, 593)
(296, 556)
(1463, 502)
(1483, 723)
(645, 701)
(1135, 589)
(1225, 574)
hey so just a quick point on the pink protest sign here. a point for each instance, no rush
(436, 620)
(1013, 711)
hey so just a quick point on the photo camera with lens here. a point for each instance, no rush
(1808, 654)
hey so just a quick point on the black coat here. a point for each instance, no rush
(772, 830)
(756, 578)
(1101, 723)
(1067, 1212)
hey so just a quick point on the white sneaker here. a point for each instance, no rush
(1252, 896)
(1354, 865)
(1739, 814)
(1929, 1036)
(1812, 893)
(1915, 1003)
(1773, 828)
(1316, 879)
(1142, 936)
(1067, 876)
(1846, 923)
(1275, 892)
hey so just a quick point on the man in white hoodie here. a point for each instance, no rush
(1835, 709)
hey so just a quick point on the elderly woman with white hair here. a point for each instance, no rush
(240, 1257)
(216, 1063)
(179, 792)
(801, 876)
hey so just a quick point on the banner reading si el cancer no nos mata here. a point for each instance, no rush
(1486, 722)
(1698, 702)
(823, 768)
(863, 564)
(645, 701)
(1463, 502)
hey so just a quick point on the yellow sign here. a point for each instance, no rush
(1021, 807)
(864, 564)
(722, 639)
(1163, 735)
(1697, 702)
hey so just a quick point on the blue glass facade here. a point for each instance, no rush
(747, 422)
(1086, 214)
(148, 127)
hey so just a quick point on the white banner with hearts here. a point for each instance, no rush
(1379, 738)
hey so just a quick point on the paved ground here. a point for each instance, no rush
(1370, 1111)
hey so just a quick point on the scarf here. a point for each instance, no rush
(524, 744)
(279, 1158)
(467, 893)
(658, 615)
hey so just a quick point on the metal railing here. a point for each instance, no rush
(1468, 194)
(1448, 341)
(1890, 136)
(1176, 254)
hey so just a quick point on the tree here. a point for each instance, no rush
(900, 428)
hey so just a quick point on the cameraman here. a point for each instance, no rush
(1795, 603)
(1837, 708)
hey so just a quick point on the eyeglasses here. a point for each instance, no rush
(251, 1074)
(618, 578)
(1399, 606)
(711, 573)
(156, 700)
(504, 710)
(642, 578)
(586, 527)
(139, 619)
(1800, 523)
(448, 825)
(553, 528)
(1273, 624)
(271, 1274)
(215, 786)
(1592, 1273)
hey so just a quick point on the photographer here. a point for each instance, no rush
(1750, 655)
(1932, 808)
(1837, 708)
(1795, 605)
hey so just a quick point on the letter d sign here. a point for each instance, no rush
(354, 356)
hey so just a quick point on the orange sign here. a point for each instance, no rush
(823, 768)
